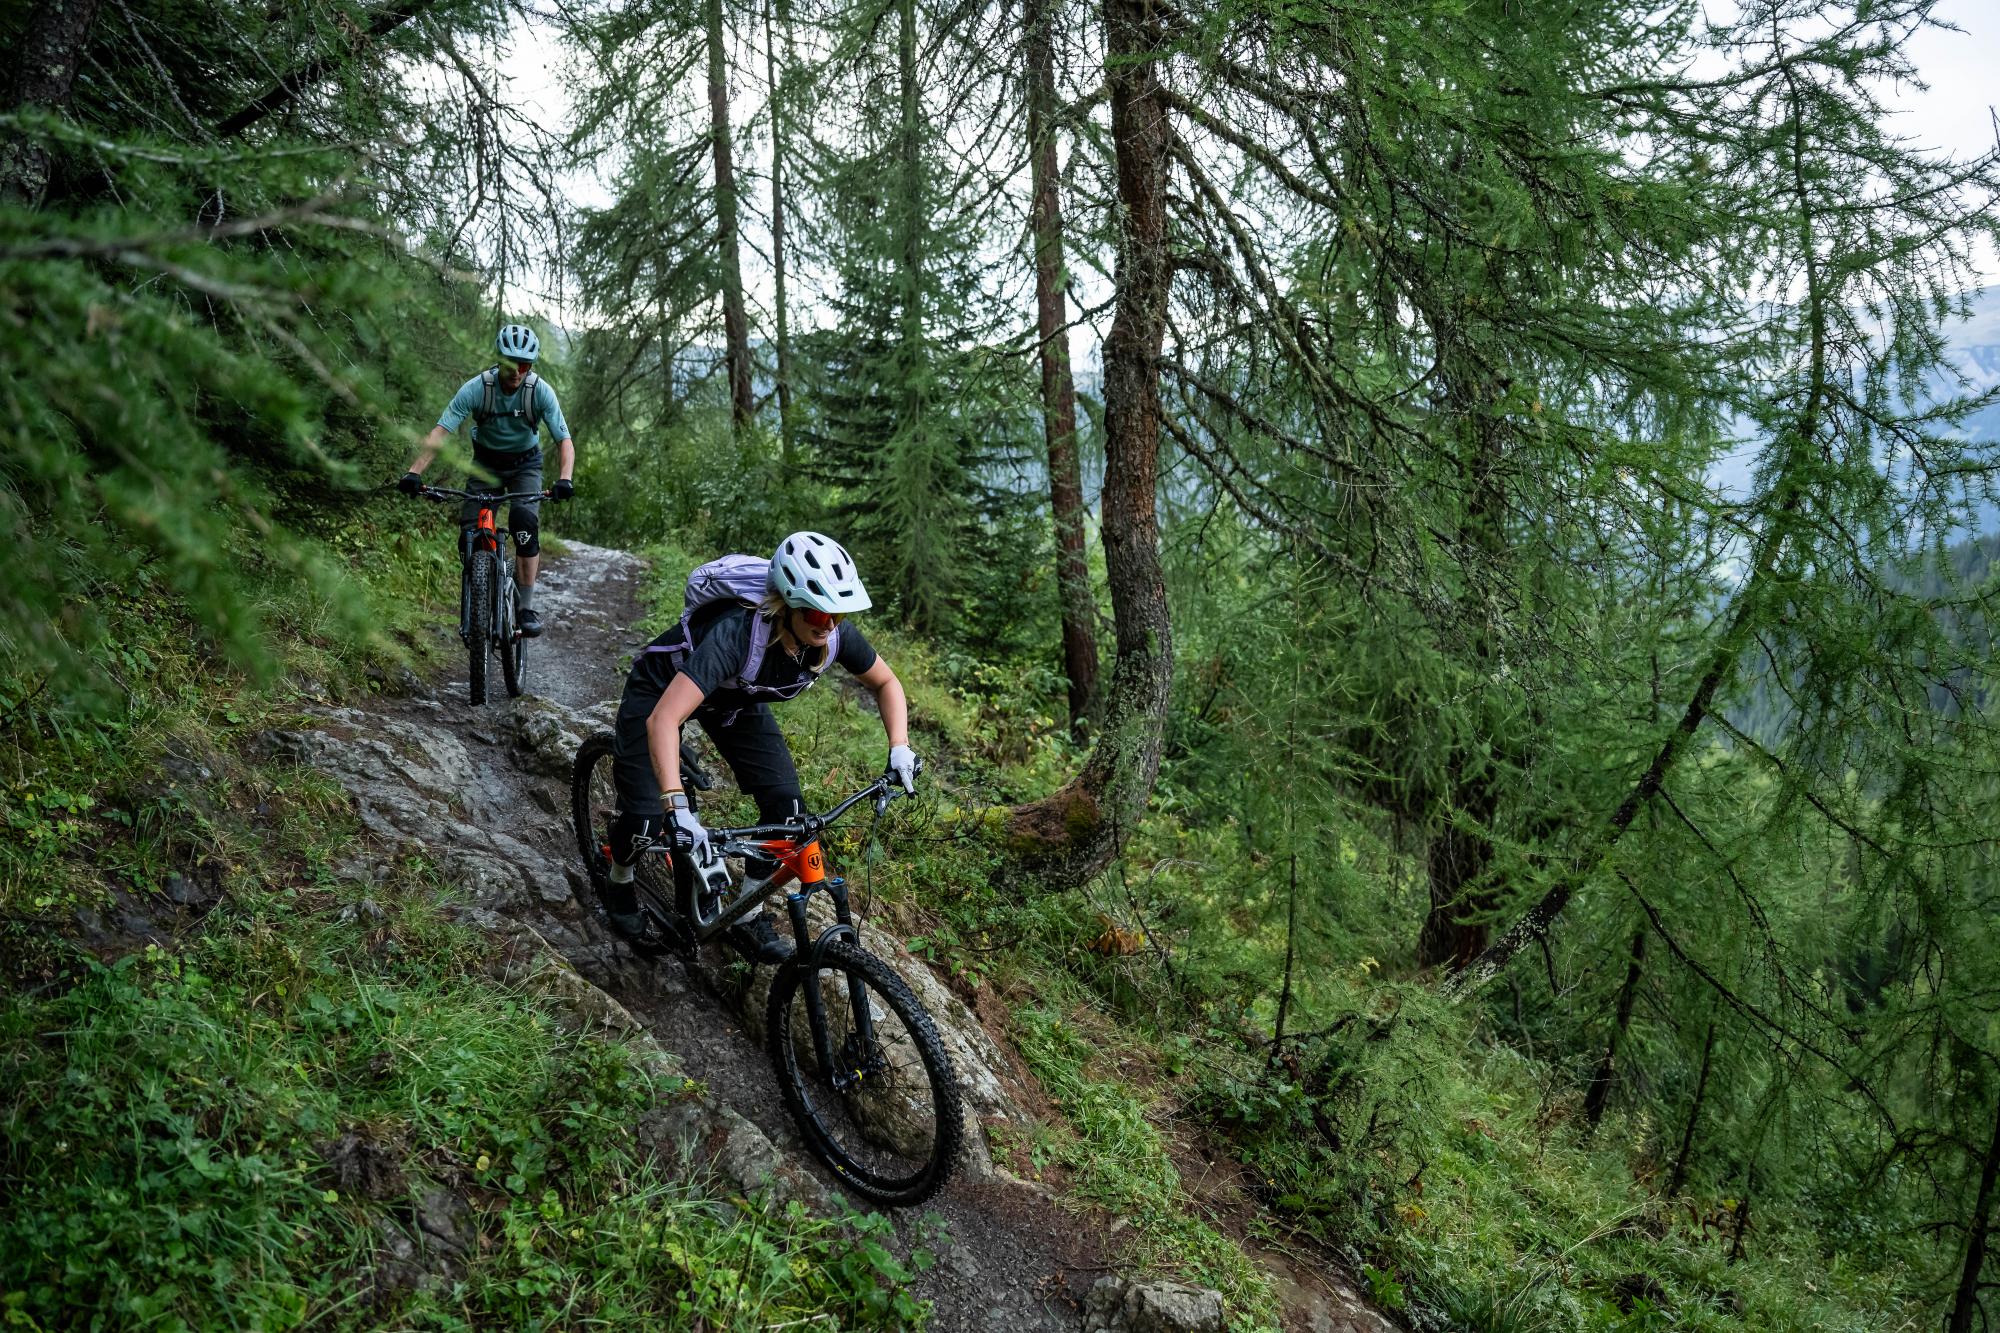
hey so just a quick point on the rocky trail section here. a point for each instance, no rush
(482, 794)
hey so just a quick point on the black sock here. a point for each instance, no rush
(619, 898)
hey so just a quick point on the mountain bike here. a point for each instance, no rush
(858, 1058)
(486, 591)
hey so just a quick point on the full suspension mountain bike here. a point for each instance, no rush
(858, 1058)
(486, 592)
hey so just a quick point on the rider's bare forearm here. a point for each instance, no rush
(895, 709)
(663, 730)
(565, 457)
(432, 443)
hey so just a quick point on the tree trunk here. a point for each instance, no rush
(910, 215)
(1460, 856)
(44, 71)
(735, 324)
(1679, 1177)
(1456, 863)
(1966, 1304)
(1058, 388)
(1077, 831)
(784, 345)
(1607, 1068)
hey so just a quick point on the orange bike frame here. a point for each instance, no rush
(804, 862)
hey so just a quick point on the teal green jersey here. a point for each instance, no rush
(509, 432)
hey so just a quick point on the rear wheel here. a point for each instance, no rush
(884, 1114)
(479, 579)
(593, 805)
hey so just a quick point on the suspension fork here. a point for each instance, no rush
(863, 1035)
(480, 537)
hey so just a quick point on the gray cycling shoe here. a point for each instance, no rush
(758, 941)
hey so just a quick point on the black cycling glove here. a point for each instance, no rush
(410, 483)
(563, 489)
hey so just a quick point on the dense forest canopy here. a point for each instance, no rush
(1525, 632)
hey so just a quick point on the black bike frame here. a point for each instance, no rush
(795, 844)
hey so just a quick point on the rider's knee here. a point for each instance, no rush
(527, 533)
(633, 834)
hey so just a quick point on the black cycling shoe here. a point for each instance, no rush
(529, 623)
(639, 930)
(757, 941)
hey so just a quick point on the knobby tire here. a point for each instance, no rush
(479, 624)
(513, 648)
(593, 803)
(892, 1140)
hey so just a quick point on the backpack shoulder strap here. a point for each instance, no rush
(753, 657)
(529, 383)
(489, 380)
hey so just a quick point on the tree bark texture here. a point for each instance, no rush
(1599, 1094)
(910, 211)
(1079, 608)
(44, 71)
(735, 323)
(1077, 831)
(779, 313)
(1457, 863)
(1978, 1236)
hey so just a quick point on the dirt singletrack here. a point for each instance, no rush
(483, 792)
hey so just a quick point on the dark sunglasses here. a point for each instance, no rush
(523, 366)
(821, 619)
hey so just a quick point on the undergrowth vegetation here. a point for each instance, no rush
(286, 1114)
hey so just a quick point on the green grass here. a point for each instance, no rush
(178, 1126)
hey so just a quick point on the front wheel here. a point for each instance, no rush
(513, 648)
(883, 1113)
(479, 579)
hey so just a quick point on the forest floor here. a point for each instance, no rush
(483, 794)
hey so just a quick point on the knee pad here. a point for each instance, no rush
(633, 834)
(527, 529)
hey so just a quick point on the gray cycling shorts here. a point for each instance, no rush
(524, 517)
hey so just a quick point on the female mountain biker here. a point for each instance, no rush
(724, 665)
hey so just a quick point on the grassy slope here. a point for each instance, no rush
(165, 1116)
(174, 1119)
(1463, 1184)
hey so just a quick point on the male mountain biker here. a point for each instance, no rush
(508, 405)
(724, 665)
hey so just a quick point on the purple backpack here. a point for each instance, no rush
(743, 580)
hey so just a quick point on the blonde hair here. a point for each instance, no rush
(773, 609)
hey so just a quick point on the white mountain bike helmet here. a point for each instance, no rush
(517, 342)
(811, 570)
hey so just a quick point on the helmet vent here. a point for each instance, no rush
(813, 585)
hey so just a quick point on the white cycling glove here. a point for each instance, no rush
(903, 764)
(701, 849)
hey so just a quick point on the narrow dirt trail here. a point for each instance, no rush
(483, 793)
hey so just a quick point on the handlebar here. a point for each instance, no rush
(802, 827)
(444, 493)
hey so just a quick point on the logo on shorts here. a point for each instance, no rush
(523, 538)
